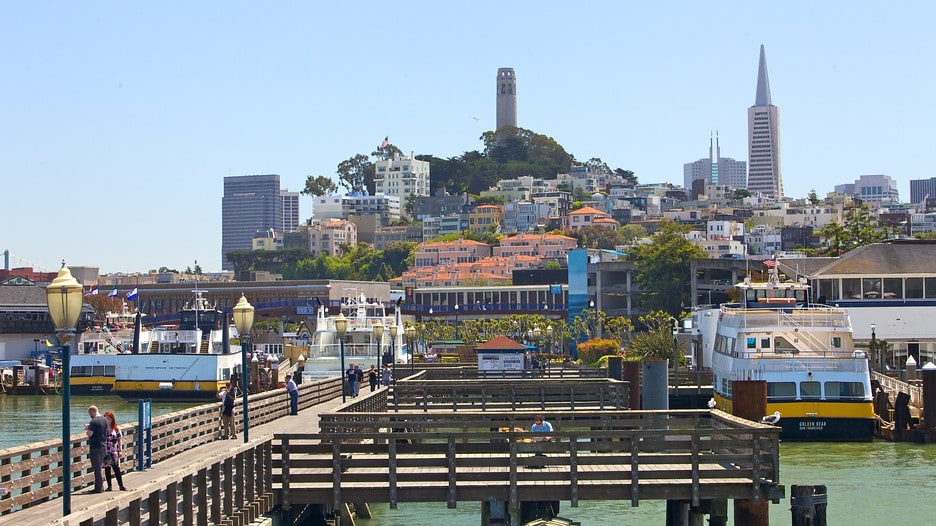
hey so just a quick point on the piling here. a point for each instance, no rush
(929, 403)
(630, 373)
(808, 505)
(749, 401)
(655, 388)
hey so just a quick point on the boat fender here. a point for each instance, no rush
(165, 386)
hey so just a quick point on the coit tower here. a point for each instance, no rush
(506, 98)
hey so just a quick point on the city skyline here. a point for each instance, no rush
(128, 118)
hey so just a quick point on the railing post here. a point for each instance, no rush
(452, 502)
(201, 480)
(153, 506)
(284, 465)
(239, 481)
(172, 504)
(188, 502)
(392, 467)
(216, 493)
(228, 487)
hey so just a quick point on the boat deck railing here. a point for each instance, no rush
(814, 317)
(832, 363)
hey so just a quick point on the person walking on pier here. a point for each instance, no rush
(359, 379)
(112, 458)
(293, 395)
(352, 380)
(372, 377)
(96, 430)
(387, 374)
(227, 413)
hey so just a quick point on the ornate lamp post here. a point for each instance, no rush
(411, 342)
(64, 299)
(394, 330)
(243, 321)
(378, 340)
(341, 327)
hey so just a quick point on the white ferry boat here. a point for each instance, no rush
(361, 346)
(816, 379)
(94, 358)
(189, 362)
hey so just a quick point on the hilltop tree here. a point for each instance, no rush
(664, 267)
(357, 173)
(319, 186)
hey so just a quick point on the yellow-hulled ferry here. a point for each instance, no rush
(816, 379)
(94, 359)
(188, 362)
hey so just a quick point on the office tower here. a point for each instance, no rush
(920, 189)
(506, 98)
(250, 203)
(716, 169)
(290, 206)
(764, 138)
(880, 189)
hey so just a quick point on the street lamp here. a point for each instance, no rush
(549, 341)
(411, 341)
(341, 327)
(394, 330)
(378, 337)
(64, 299)
(456, 321)
(243, 321)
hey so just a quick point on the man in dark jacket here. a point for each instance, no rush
(96, 430)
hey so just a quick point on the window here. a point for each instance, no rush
(913, 288)
(844, 390)
(765, 343)
(810, 390)
(836, 342)
(781, 390)
(751, 342)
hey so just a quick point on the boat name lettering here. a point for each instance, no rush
(812, 425)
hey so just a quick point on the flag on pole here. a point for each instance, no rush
(113, 293)
(132, 294)
(384, 143)
(94, 291)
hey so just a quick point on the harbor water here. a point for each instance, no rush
(869, 483)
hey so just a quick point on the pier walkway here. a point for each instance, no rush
(434, 441)
(185, 449)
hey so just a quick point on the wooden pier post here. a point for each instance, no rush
(808, 505)
(929, 404)
(630, 373)
(749, 401)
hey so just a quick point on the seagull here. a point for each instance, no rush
(712, 403)
(771, 419)
(476, 118)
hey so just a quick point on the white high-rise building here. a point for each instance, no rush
(764, 138)
(401, 176)
(290, 205)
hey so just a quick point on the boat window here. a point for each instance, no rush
(108, 370)
(913, 288)
(810, 390)
(781, 390)
(782, 345)
(97, 370)
(930, 287)
(731, 345)
(751, 342)
(851, 288)
(836, 342)
(81, 371)
(871, 287)
(893, 288)
(765, 343)
(843, 390)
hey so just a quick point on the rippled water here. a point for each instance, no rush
(28, 418)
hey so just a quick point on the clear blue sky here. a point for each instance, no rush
(118, 121)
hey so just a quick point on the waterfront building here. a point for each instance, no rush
(764, 175)
(716, 170)
(401, 176)
(250, 203)
(506, 98)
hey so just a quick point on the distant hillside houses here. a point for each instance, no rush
(727, 222)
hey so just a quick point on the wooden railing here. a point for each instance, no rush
(635, 455)
(234, 487)
(33, 473)
(514, 394)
